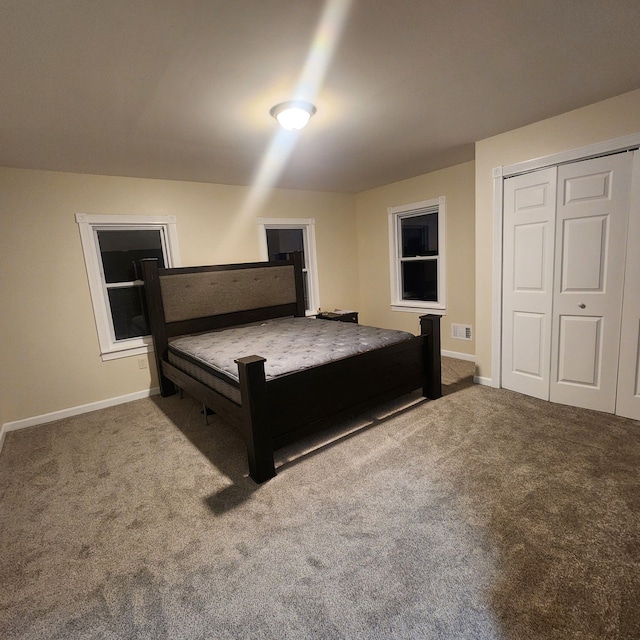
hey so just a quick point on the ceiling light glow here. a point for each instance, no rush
(293, 115)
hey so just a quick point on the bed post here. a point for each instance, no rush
(430, 327)
(299, 280)
(253, 391)
(153, 294)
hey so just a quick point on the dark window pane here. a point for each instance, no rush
(129, 312)
(420, 235)
(420, 280)
(281, 243)
(122, 250)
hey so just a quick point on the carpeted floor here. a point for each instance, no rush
(484, 515)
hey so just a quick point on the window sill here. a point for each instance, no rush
(126, 353)
(438, 311)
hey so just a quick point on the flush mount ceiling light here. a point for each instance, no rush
(293, 115)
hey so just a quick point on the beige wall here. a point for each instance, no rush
(49, 347)
(599, 122)
(457, 185)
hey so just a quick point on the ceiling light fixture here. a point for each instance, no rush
(293, 115)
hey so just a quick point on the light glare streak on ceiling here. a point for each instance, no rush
(282, 144)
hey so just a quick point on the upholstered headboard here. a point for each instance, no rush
(193, 299)
(212, 293)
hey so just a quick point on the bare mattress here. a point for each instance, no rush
(287, 344)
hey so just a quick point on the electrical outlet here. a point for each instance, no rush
(142, 363)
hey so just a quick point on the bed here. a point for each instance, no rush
(294, 390)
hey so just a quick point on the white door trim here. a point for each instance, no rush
(499, 174)
(628, 399)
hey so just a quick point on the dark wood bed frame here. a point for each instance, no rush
(277, 412)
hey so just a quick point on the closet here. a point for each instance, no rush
(571, 287)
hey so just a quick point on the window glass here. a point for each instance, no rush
(420, 280)
(281, 243)
(122, 250)
(129, 312)
(420, 235)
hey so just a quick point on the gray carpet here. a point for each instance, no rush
(484, 514)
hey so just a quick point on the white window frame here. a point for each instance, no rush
(308, 227)
(396, 214)
(89, 225)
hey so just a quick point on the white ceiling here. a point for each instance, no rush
(181, 89)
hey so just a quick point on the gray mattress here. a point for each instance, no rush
(287, 344)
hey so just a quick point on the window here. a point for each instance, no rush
(280, 237)
(416, 244)
(113, 247)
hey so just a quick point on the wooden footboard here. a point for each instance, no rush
(294, 406)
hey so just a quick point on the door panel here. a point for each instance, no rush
(591, 227)
(529, 215)
(528, 337)
(579, 350)
(584, 254)
(529, 257)
(588, 187)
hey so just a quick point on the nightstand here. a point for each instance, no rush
(348, 316)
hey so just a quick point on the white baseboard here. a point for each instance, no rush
(459, 356)
(73, 411)
(471, 358)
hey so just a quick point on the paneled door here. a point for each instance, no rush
(591, 231)
(528, 237)
(564, 249)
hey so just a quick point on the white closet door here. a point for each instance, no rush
(528, 236)
(591, 227)
(628, 400)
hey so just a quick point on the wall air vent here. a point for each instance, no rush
(461, 331)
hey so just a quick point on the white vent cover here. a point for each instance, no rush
(461, 331)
